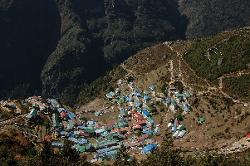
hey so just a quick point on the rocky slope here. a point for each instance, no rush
(66, 44)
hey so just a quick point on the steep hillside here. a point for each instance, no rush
(75, 60)
(55, 47)
(70, 42)
(97, 35)
(210, 17)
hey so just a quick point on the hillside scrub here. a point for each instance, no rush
(238, 87)
(232, 50)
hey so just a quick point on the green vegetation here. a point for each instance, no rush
(213, 16)
(226, 54)
(223, 54)
(238, 87)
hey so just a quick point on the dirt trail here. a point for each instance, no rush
(209, 88)
(232, 75)
(130, 72)
(180, 60)
(239, 146)
(220, 83)
(171, 70)
(236, 74)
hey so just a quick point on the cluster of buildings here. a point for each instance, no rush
(134, 129)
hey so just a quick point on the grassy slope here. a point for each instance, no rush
(234, 50)
(238, 87)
